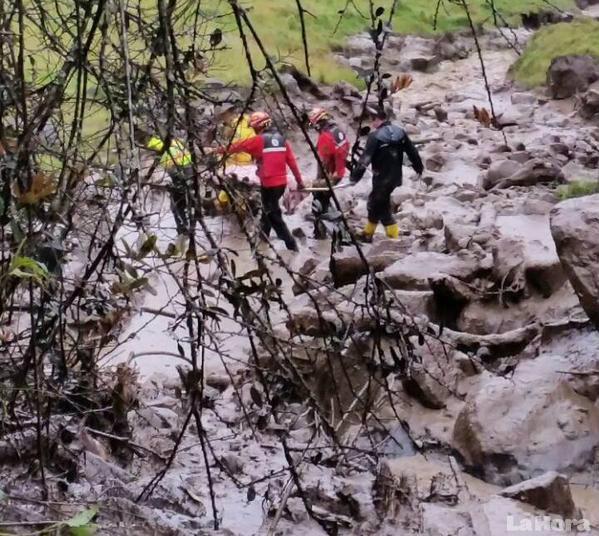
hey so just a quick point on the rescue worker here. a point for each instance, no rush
(177, 162)
(273, 155)
(235, 127)
(384, 150)
(333, 148)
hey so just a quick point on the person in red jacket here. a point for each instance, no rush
(273, 155)
(333, 148)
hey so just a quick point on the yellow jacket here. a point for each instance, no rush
(243, 132)
(177, 155)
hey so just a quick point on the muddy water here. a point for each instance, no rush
(151, 340)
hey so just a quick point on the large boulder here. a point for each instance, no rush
(436, 374)
(347, 266)
(413, 272)
(517, 428)
(499, 170)
(575, 230)
(549, 492)
(568, 75)
(533, 172)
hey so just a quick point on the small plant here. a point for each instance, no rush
(579, 188)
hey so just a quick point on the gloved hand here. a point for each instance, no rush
(301, 186)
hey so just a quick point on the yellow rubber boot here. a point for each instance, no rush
(392, 230)
(370, 229)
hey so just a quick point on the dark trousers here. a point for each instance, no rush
(180, 201)
(321, 203)
(379, 202)
(272, 216)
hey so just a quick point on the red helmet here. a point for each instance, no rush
(260, 120)
(317, 115)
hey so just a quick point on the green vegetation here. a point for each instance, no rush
(279, 27)
(278, 24)
(578, 189)
(579, 37)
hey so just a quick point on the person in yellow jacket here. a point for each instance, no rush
(236, 129)
(177, 162)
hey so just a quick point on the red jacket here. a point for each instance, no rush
(333, 148)
(272, 154)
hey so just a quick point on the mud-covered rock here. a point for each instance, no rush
(348, 266)
(575, 229)
(568, 75)
(589, 103)
(499, 170)
(516, 428)
(435, 375)
(533, 172)
(549, 492)
(414, 271)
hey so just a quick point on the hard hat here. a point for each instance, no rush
(317, 115)
(260, 120)
(223, 198)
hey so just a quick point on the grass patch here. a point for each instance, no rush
(579, 37)
(578, 189)
(279, 26)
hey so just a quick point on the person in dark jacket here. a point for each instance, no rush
(333, 148)
(384, 151)
(273, 155)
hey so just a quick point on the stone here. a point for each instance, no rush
(435, 162)
(575, 230)
(434, 376)
(589, 103)
(523, 98)
(413, 271)
(549, 492)
(569, 75)
(441, 114)
(232, 463)
(218, 381)
(534, 172)
(344, 89)
(448, 47)
(533, 422)
(499, 170)
(457, 236)
(360, 45)
(347, 266)
(98, 470)
(290, 84)
(424, 64)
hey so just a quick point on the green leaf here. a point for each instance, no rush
(82, 518)
(28, 268)
(86, 530)
(3, 496)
